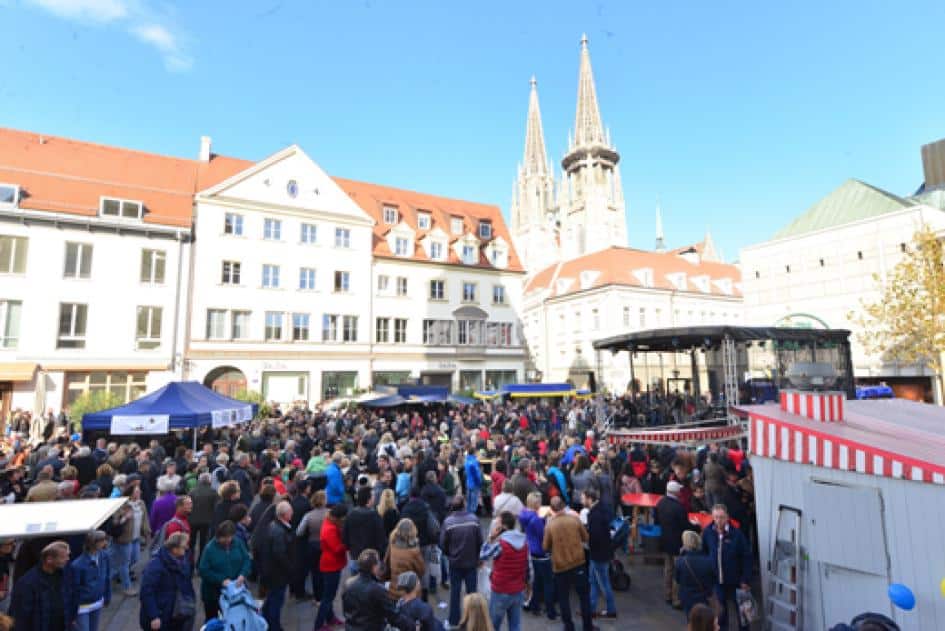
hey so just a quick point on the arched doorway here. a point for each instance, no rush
(226, 380)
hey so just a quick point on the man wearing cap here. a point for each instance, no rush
(673, 521)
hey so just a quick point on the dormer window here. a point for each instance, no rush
(456, 225)
(423, 221)
(436, 251)
(644, 276)
(469, 255)
(587, 278)
(402, 246)
(121, 208)
(390, 215)
(485, 229)
(9, 195)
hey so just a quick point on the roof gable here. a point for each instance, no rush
(288, 178)
(852, 201)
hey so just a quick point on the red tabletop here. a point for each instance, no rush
(646, 500)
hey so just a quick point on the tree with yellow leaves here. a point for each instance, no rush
(907, 323)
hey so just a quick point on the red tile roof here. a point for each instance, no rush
(70, 176)
(372, 198)
(616, 266)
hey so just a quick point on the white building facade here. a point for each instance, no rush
(95, 245)
(569, 305)
(819, 270)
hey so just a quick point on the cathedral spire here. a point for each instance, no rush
(536, 159)
(588, 129)
(660, 241)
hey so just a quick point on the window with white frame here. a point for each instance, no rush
(342, 238)
(342, 282)
(9, 195)
(216, 324)
(500, 257)
(272, 229)
(233, 224)
(485, 230)
(13, 254)
(152, 266)
(400, 330)
(73, 319)
(329, 327)
(274, 326)
(300, 327)
(401, 285)
(469, 292)
(382, 330)
(470, 256)
(423, 221)
(309, 233)
(230, 273)
(390, 215)
(456, 225)
(121, 208)
(437, 290)
(78, 262)
(349, 332)
(498, 294)
(239, 329)
(148, 328)
(11, 313)
(402, 246)
(270, 276)
(595, 319)
(307, 278)
(383, 282)
(436, 251)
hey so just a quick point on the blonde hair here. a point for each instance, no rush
(475, 614)
(691, 540)
(387, 502)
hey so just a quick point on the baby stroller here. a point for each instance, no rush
(619, 540)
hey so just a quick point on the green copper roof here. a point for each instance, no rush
(852, 201)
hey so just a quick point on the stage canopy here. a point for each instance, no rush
(693, 337)
(178, 405)
(44, 519)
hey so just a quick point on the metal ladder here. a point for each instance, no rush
(730, 371)
(784, 574)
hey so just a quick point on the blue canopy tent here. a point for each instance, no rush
(460, 399)
(426, 394)
(390, 401)
(520, 390)
(178, 405)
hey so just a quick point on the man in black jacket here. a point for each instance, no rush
(366, 604)
(278, 551)
(673, 521)
(599, 516)
(434, 495)
(363, 528)
(239, 472)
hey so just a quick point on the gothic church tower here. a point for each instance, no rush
(592, 214)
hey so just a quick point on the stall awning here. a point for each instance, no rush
(17, 371)
(518, 390)
(43, 519)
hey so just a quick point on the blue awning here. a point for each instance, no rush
(427, 394)
(178, 405)
(389, 401)
(457, 398)
(518, 390)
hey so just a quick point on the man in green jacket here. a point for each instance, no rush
(224, 559)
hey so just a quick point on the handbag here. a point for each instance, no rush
(710, 597)
(184, 607)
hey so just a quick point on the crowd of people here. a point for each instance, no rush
(383, 507)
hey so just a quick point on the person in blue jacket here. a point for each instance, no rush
(335, 488)
(166, 576)
(729, 550)
(473, 480)
(90, 581)
(43, 599)
(695, 573)
(557, 475)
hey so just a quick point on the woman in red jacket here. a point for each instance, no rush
(333, 560)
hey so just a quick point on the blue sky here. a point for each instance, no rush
(738, 115)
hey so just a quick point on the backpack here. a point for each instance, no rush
(158, 541)
(218, 477)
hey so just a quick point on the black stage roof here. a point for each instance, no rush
(690, 337)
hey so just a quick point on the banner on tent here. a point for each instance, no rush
(141, 424)
(225, 418)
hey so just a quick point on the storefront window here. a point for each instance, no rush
(391, 377)
(128, 386)
(339, 384)
(495, 379)
(470, 380)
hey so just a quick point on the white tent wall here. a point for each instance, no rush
(843, 584)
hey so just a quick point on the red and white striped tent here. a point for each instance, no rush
(680, 435)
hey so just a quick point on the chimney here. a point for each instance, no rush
(205, 143)
(933, 164)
